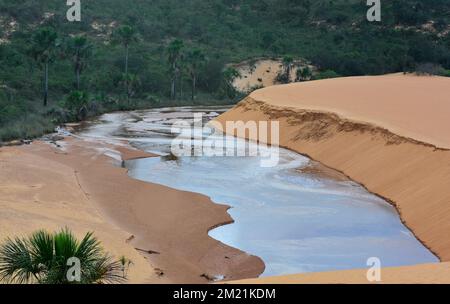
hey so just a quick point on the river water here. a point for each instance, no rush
(295, 222)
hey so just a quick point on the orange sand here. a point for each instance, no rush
(420, 274)
(407, 105)
(163, 231)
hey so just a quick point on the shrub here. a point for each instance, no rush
(77, 104)
(326, 74)
(43, 258)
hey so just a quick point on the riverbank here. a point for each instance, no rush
(418, 274)
(81, 185)
(389, 133)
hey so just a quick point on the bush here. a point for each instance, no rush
(27, 127)
(44, 258)
(430, 69)
(326, 74)
(77, 103)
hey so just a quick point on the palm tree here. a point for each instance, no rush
(287, 64)
(127, 35)
(77, 103)
(132, 81)
(43, 46)
(125, 265)
(304, 74)
(174, 54)
(80, 49)
(195, 59)
(43, 258)
(229, 75)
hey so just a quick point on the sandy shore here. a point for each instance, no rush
(163, 231)
(389, 133)
(419, 274)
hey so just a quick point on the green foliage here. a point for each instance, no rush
(126, 35)
(195, 59)
(174, 56)
(43, 258)
(27, 126)
(304, 74)
(227, 89)
(79, 49)
(77, 104)
(325, 75)
(154, 42)
(43, 45)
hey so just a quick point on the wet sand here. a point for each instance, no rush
(163, 231)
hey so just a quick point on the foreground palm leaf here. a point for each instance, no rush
(42, 258)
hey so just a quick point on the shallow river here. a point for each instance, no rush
(295, 222)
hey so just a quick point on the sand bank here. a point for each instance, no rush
(420, 274)
(389, 133)
(407, 105)
(163, 231)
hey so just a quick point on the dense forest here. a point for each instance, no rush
(150, 53)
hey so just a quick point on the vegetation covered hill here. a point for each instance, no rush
(178, 50)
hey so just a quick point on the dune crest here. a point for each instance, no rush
(411, 106)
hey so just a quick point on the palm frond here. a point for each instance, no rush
(42, 248)
(16, 262)
(65, 244)
(103, 271)
(43, 258)
(89, 249)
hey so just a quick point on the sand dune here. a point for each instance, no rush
(37, 192)
(379, 131)
(407, 105)
(420, 274)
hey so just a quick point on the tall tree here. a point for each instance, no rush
(43, 48)
(229, 75)
(132, 82)
(80, 49)
(174, 51)
(287, 64)
(127, 35)
(303, 74)
(195, 59)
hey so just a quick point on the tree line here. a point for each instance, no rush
(46, 47)
(169, 52)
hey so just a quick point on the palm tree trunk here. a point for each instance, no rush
(127, 50)
(172, 89)
(194, 83)
(126, 59)
(46, 84)
(78, 79)
(174, 77)
(181, 85)
(77, 69)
